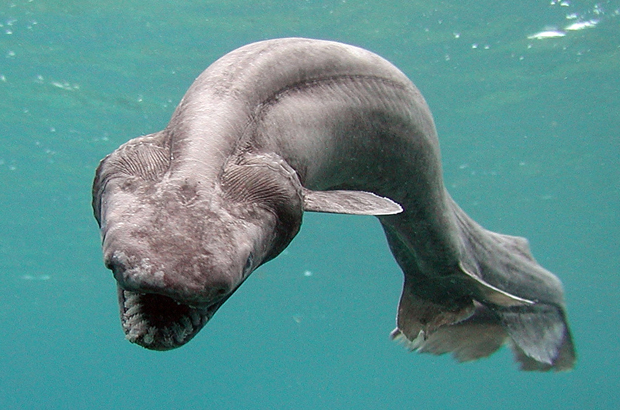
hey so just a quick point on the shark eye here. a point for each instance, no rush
(248, 265)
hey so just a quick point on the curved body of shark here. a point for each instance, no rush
(284, 126)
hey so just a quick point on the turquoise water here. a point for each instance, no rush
(530, 144)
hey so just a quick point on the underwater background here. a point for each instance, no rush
(526, 98)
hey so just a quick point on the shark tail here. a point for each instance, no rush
(497, 294)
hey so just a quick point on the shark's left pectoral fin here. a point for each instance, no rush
(349, 202)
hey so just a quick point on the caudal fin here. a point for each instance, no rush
(539, 336)
(492, 292)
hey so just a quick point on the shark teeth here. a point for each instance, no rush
(157, 322)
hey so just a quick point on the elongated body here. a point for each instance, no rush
(284, 126)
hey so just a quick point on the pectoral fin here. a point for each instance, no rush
(349, 202)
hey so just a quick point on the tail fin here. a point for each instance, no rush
(498, 293)
(539, 336)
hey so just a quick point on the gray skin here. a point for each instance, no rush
(284, 126)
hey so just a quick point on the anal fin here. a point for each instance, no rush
(474, 338)
(537, 333)
(419, 317)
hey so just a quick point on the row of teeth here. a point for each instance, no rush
(136, 327)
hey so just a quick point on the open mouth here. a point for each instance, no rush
(158, 322)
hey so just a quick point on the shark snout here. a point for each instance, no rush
(143, 275)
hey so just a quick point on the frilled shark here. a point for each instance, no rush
(284, 126)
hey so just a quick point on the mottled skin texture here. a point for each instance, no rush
(280, 127)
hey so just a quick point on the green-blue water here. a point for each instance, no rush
(530, 144)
